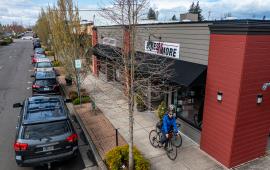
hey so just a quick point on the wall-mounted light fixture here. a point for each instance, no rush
(259, 98)
(219, 96)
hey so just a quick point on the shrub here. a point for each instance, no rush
(3, 43)
(6, 41)
(72, 95)
(118, 157)
(85, 99)
(162, 108)
(56, 63)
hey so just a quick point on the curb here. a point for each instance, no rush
(97, 157)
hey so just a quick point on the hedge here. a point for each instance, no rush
(56, 63)
(6, 41)
(117, 158)
(85, 99)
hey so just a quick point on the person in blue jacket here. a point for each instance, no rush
(168, 124)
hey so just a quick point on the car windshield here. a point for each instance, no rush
(40, 56)
(45, 75)
(44, 65)
(45, 82)
(39, 50)
(45, 130)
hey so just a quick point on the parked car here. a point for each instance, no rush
(39, 51)
(45, 83)
(44, 132)
(44, 66)
(36, 44)
(39, 58)
(27, 38)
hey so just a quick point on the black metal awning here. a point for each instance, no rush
(189, 74)
(183, 73)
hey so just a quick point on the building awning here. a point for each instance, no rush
(189, 74)
(107, 52)
(182, 73)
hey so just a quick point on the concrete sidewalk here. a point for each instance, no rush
(110, 100)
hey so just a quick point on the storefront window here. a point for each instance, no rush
(189, 105)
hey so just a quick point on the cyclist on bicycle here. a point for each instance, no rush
(168, 125)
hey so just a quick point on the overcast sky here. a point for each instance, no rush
(26, 11)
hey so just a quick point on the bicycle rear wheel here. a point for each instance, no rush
(177, 140)
(154, 138)
(171, 151)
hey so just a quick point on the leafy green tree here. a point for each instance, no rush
(174, 18)
(196, 9)
(152, 14)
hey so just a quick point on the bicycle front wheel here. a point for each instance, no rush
(154, 138)
(171, 151)
(177, 140)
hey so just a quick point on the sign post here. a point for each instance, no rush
(78, 66)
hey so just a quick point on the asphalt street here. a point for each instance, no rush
(15, 86)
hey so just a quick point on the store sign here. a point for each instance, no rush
(162, 48)
(109, 41)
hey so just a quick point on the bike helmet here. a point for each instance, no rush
(171, 107)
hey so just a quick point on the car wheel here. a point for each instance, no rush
(75, 155)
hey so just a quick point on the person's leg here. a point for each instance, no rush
(163, 138)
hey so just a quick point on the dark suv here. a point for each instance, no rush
(45, 83)
(44, 132)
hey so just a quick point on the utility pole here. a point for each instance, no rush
(209, 13)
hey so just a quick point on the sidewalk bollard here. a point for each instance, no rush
(116, 136)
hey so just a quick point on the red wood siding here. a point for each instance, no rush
(236, 130)
(253, 121)
(225, 63)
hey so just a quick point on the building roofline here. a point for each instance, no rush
(237, 21)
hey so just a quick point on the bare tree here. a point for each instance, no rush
(138, 69)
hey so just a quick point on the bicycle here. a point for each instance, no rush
(174, 141)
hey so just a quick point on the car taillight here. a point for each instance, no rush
(20, 146)
(35, 86)
(72, 138)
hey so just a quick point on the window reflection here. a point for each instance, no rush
(189, 105)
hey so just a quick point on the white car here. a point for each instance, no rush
(44, 65)
(27, 38)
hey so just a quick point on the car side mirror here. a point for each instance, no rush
(16, 105)
(67, 100)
